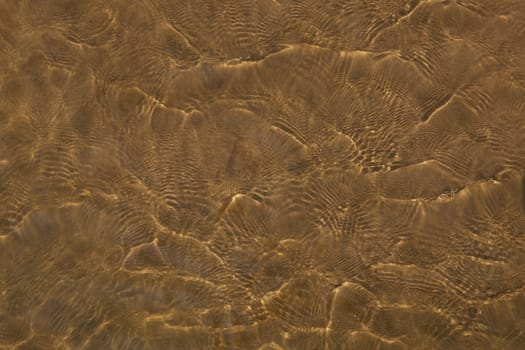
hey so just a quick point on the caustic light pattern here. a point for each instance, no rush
(262, 174)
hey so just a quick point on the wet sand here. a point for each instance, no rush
(264, 174)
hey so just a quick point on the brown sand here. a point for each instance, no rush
(264, 174)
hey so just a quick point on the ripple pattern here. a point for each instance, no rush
(262, 174)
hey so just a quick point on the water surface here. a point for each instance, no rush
(264, 174)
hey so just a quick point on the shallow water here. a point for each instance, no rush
(262, 174)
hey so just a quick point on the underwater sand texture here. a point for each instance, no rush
(262, 174)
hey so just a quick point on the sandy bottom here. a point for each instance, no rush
(262, 174)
